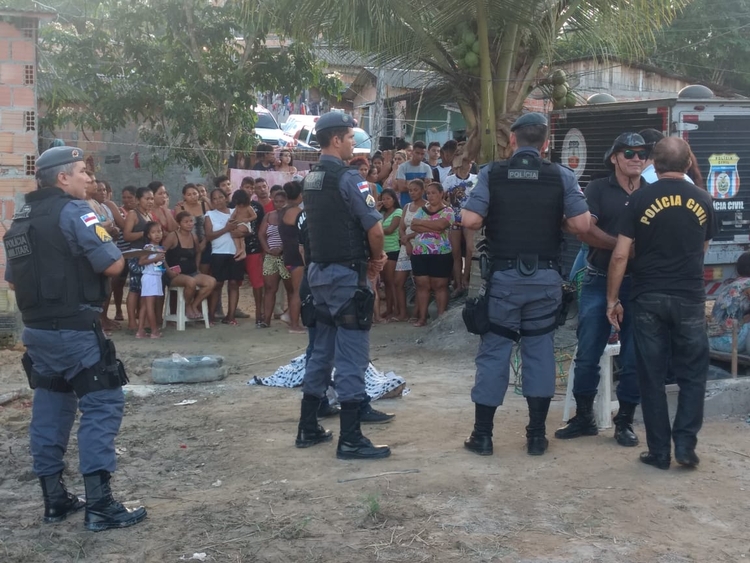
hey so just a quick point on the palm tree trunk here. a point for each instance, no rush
(487, 129)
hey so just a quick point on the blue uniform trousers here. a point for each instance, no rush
(347, 350)
(514, 301)
(67, 353)
(593, 333)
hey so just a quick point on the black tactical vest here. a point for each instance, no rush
(334, 235)
(50, 283)
(526, 208)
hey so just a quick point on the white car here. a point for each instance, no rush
(267, 128)
(307, 141)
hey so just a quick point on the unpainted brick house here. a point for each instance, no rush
(18, 122)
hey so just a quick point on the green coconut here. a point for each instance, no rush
(570, 100)
(469, 38)
(559, 92)
(471, 59)
(475, 47)
(559, 77)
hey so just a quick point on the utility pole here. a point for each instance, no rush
(376, 128)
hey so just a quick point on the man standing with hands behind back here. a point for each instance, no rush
(346, 244)
(672, 222)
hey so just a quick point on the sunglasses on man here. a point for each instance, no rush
(630, 154)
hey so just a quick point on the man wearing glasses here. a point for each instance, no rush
(606, 198)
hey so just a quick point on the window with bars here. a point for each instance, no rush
(28, 75)
(30, 165)
(29, 120)
(27, 26)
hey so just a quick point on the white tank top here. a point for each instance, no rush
(224, 244)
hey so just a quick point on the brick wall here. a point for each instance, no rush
(18, 129)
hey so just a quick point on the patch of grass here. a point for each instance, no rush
(372, 505)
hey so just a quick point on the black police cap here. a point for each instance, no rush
(533, 118)
(623, 140)
(334, 119)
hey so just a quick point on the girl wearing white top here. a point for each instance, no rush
(225, 267)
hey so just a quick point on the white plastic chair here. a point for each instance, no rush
(179, 317)
(604, 406)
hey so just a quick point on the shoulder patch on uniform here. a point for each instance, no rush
(370, 200)
(17, 246)
(89, 219)
(314, 180)
(364, 187)
(23, 212)
(102, 234)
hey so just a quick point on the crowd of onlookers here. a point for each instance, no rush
(209, 240)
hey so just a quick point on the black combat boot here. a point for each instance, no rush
(309, 432)
(583, 423)
(102, 511)
(58, 502)
(536, 439)
(480, 441)
(352, 444)
(624, 425)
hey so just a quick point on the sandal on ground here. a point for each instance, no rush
(419, 324)
(155, 335)
(141, 335)
(261, 324)
(226, 321)
(296, 331)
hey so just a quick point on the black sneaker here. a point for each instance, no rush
(372, 416)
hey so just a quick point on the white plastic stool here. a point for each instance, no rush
(604, 406)
(179, 317)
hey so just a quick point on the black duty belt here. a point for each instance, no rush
(503, 265)
(82, 322)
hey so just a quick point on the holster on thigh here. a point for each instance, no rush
(37, 381)
(357, 313)
(108, 373)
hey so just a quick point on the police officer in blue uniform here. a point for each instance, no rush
(346, 240)
(523, 203)
(59, 259)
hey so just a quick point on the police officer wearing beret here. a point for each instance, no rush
(346, 241)
(523, 204)
(58, 260)
(606, 198)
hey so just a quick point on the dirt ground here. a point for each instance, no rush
(222, 477)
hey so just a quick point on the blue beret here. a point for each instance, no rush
(533, 118)
(334, 119)
(58, 156)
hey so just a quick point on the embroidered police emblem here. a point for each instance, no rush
(370, 201)
(22, 213)
(314, 180)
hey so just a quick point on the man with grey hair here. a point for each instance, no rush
(59, 259)
(672, 222)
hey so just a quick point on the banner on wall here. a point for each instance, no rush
(237, 174)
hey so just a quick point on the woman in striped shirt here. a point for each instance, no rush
(273, 262)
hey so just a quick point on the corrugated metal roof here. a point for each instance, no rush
(25, 8)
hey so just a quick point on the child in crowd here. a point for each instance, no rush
(151, 281)
(244, 214)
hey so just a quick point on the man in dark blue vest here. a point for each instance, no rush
(59, 261)
(346, 241)
(523, 204)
